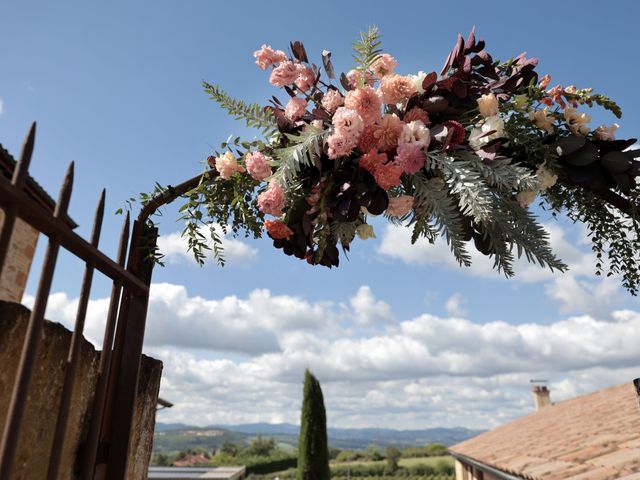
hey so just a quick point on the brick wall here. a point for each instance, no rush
(18, 262)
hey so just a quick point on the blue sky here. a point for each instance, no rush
(116, 87)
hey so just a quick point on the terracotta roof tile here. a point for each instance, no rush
(594, 437)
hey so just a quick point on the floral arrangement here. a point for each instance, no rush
(462, 154)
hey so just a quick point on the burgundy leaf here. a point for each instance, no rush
(299, 52)
(471, 40)
(429, 81)
(328, 66)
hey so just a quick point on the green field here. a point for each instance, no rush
(404, 462)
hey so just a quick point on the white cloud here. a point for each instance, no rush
(234, 359)
(455, 305)
(174, 247)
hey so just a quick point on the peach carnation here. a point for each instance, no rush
(396, 88)
(366, 102)
(348, 123)
(372, 160)
(400, 206)
(410, 157)
(277, 229)
(227, 165)
(368, 140)
(267, 56)
(415, 132)
(388, 175)
(388, 132)
(383, 65)
(284, 74)
(358, 78)
(258, 165)
(305, 79)
(271, 201)
(417, 114)
(332, 100)
(295, 108)
(340, 145)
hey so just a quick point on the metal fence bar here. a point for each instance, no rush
(34, 214)
(74, 350)
(129, 352)
(19, 177)
(91, 446)
(32, 337)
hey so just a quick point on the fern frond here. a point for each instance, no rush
(303, 149)
(503, 174)
(434, 202)
(367, 49)
(252, 113)
(464, 180)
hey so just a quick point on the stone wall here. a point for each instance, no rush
(46, 386)
(18, 261)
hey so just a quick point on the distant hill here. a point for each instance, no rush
(179, 437)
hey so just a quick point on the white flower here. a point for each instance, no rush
(415, 132)
(488, 105)
(526, 197)
(478, 137)
(417, 80)
(365, 231)
(546, 178)
(577, 121)
(606, 133)
(542, 120)
(520, 102)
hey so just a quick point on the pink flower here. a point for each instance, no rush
(410, 157)
(544, 81)
(358, 78)
(227, 165)
(396, 88)
(457, 135)
(388, 132)
(305, 79)
(258, 165)
(372, 160)
(332, 100)
(388, 175)
(415, 132)
(271, 201)
(366, 102)
(284, 74)
(295, 108)
(277, 229)
(400, 206)
(267, 56)
(383, 65)
(340, 145)
(417, 114)
(368, 140)
(348, 123)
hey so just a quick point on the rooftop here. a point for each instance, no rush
(592, 437)
(33, 188)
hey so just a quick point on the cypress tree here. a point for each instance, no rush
(313, 448)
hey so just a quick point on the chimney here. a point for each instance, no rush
(541, 396)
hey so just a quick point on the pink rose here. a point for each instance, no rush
(227, 165)
(332, 100)
(267, 56)
(305, 79)
(258, 165)
(400, 206)
(388, 132)
(340, 145)
(277, 229)
(366, 102)
(396, 88)
(348, 123)
(295, 109)
(383, 65)
(271, 201)
(388, 175)
(284, 74)
(410, 157)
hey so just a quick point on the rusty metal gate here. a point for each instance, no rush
(105, 452)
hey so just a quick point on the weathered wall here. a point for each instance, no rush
(44, 398)
(18, 261)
